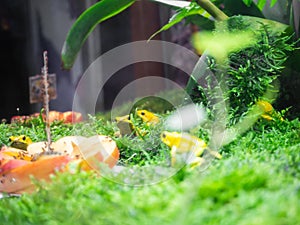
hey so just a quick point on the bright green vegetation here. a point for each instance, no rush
(250, 71)
(256, 182)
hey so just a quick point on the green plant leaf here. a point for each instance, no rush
(85, 24)
(232, 8)
(192, 9)
(260, 3)
(273, 2)
(247, 2)
(249, 22)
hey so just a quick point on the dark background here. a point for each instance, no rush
(29, 27)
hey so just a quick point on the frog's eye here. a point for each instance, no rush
(143, 113)
(163, 135)
(23, 138)
(10, 139)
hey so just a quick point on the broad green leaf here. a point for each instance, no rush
(261, 4)
(273, 2)
(192, 9)
(247, 2)
(86, 23)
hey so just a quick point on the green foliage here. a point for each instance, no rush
(105, 9)
(258, 177)
(253, 183)
(35, 129)
(85, 24)
(185, 12)
(260, 3)
(143, 146)
(254, 69)
(221, 45)
(249, 71)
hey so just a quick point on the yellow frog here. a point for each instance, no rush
(126, 125)
(184, 143)
(125, 118)
(268, 111)
(148, 117)
(20, 142)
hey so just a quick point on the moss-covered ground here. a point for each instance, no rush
(256, 182)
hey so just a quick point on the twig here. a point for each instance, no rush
(46, 99)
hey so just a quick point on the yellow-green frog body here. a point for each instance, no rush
(268, 111)
(148, 117)
(126, 125)
(183, 143)
(20, 142)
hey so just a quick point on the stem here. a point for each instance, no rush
(213, 10)
(46, 99)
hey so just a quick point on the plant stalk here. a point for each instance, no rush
(213, 10)
(46, 99)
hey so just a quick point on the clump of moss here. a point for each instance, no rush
(248, 72)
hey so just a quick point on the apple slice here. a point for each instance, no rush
(71, 117)
(7, 165)
(62, 146)
(18, 180)
(71, 151)
(99, 148)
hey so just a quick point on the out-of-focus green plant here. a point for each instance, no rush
(198, 12)
(85, 24)
(221, 45)
(255, 54)
(289, 9)
(106, 9)
(260, 3)
(192, 10)
(250, 70)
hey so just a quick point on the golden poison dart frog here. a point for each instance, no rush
(148, 117)
(20, 142)
(181, 143)
(124, 124)
(268, 111)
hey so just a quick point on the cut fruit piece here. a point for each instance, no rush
(66, 117)
(71, 117)
(7, 165)
(62, 146)
(18, 180)
(99, 148)
(69, 154)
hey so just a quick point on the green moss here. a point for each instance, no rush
(256, 182)
(248, 73)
